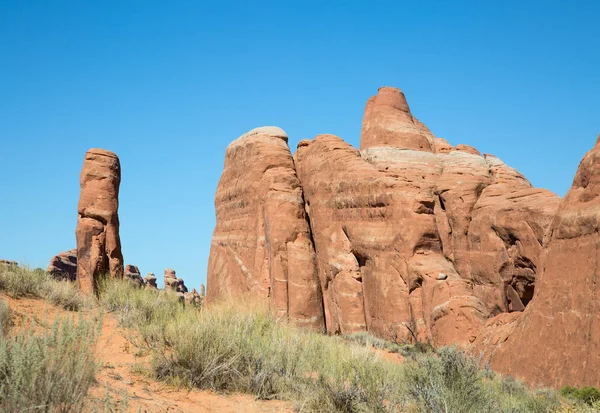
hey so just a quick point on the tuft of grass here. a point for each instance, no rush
(64, 294)
(17, 282)
(50, 371)
(241, 347)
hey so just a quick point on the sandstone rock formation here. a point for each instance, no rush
(132, 273)
(64, 265)
(262, 243)
(556, 341)
(150, 281)
(172, 283)
(408, 237)
(98, 242)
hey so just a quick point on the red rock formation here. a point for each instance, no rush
(411, 234)
(150, 281)
(557, 339)
(132, 273)
(64, 265)
(170, 280)
(261, 244)
(390, 279)
(98, 243)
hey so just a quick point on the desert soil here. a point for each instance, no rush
(118, 380)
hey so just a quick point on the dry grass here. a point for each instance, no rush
(240, 347)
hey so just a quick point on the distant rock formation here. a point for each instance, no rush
(556, 341)
(9, 263)
(150, 281)
(98, 243)
(64, 265)
(132, 273)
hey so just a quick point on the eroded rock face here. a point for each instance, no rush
(64, 265)
(378, 249)
(261, 244)
(98, 242)
(413, 237)
(556, 341)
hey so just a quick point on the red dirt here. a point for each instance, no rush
(116, 378)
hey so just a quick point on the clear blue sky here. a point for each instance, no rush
(168, 84)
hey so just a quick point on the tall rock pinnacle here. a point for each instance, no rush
(98, 243)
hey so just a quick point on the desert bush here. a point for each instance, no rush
(5, 318)
(49, 371)
(17, 281)
(588, 394)
(64, 294)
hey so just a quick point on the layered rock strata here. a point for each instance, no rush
(262, 243)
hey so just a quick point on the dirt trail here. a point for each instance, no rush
(117, 379)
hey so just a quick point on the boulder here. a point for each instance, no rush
(64, 265)
(261, 244)
(97, 233)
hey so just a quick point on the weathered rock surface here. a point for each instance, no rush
(556, 341)
(408, 236)
(379, 253)
(98, 242)
(64, 265)
(389, 122)
(262, 244)
(132, 273)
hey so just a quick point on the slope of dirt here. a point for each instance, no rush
(119, 379)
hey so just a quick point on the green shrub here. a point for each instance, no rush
(48, 372)
(588, 395)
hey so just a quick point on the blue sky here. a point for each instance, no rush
(168, 84)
